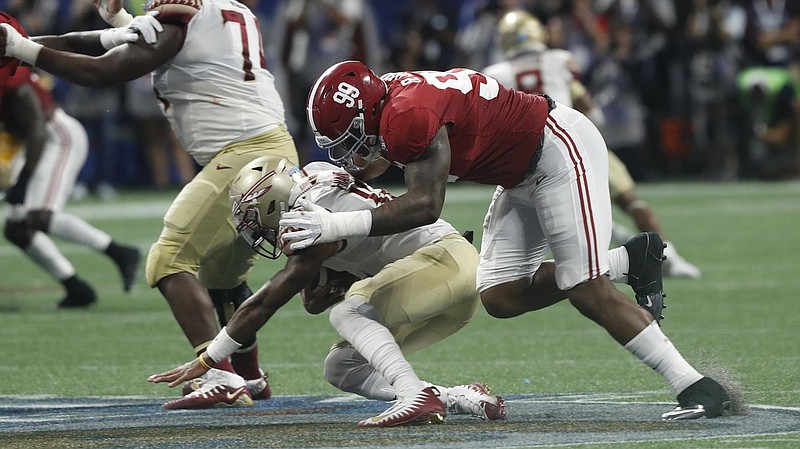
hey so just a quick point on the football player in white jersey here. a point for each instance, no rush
(533, 68)
(210, 77)
(394, 294)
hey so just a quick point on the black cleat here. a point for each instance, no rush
(705, 398)
(645, 257)
(127, 259)
(79, 294)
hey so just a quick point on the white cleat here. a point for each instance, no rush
(476, 400)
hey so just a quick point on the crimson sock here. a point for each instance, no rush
(245, 362)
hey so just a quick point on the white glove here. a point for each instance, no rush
(315, 224)
(19, 47)
(146, 25)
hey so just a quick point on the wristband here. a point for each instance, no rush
(108, 38)
(352, 224)
(203, 362)
(222, 346)
(27, 51)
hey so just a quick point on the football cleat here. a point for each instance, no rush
(192, 385)
(128, 264)
(422, 408)
(79, 294)
(705, 398)
(476, 400)
(219, 389)
(259, 388)
(645, 258)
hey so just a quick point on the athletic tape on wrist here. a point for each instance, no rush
(27, 51)
(222, 347)
(120, 19)
(108, 38)
(352, 224)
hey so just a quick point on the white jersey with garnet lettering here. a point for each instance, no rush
(217, 90)
(334, 189)
(546, 72)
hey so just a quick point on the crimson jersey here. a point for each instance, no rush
(8, 65)
(494, 133)
(24, 75)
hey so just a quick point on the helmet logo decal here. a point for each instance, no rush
(346, 94)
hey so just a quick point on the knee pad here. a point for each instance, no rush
(20, 233)
(40, 220)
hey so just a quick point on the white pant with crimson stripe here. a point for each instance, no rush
(563, 206)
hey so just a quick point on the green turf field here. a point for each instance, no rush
(742, 318)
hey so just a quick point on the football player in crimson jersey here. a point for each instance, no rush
(533, 68)
(8, 65)
(209, 74)
(54, 147)
(552, 166)
(406, 292)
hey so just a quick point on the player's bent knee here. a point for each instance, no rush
(40, 220)
(19, 233)
(501, 301)
(333, 368)
(349, 309)
(345, 369)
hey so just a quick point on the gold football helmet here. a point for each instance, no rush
(518, 32)
(261, 192)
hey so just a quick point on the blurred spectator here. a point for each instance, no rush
(581, 31)
(318, 34)
(97, 110)
(714, 32)
(612, 82)
(477, 31)
(773, 32)
(36, 16)
(770, 104)
(162, 151)
(425, 36)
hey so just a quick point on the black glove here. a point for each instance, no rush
(16, 194)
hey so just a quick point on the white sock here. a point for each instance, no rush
(653, 348)
(77, 230)
(354, 320)
(45, 253)
(618, 264)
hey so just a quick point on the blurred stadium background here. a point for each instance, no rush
(679, 80)
(670, 75)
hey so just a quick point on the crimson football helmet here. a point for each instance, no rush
(344, 110)
(262, 191)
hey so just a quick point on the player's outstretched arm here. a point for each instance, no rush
(253, 314)
(121, 64)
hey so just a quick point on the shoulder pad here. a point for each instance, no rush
(174, 11)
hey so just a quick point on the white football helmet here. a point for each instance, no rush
(518, 32)
(263, 190)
